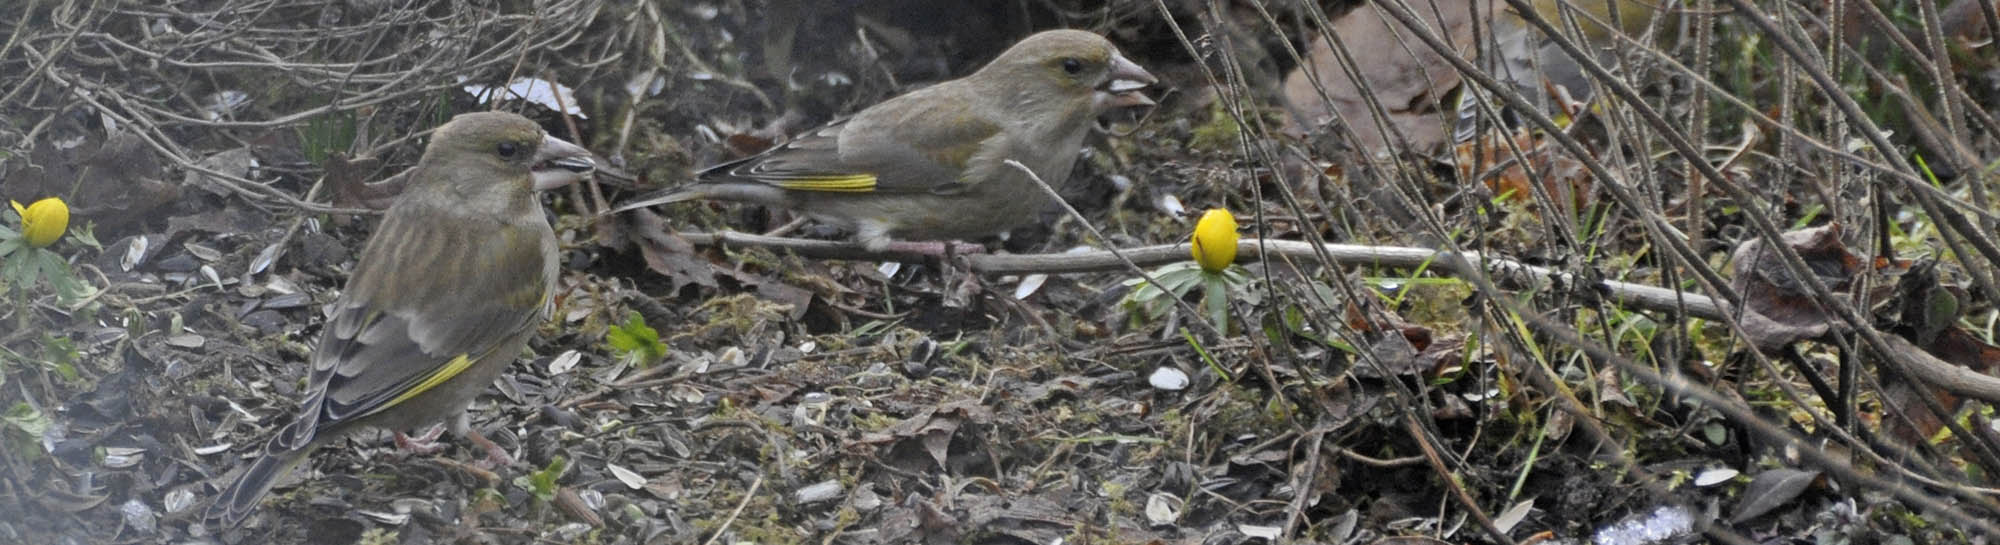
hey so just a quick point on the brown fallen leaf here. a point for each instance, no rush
(1777, 308)
(1770, 490)
(349, 180)
(1401, 348)
(1409, 79)
(665, 253)
(1564, 178)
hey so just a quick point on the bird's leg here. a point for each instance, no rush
(961, 286)
(495, 455)
(960, 283)
(420, 445)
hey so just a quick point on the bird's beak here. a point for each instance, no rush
(1121, 87)
(559, 163)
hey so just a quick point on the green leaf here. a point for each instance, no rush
(325, 135)
(59, 354)
(1205, 357)
(25, 440)
(85, 235)
(543, 483)
(19, 271)
(636, 340)
(1180, 281)
(56, 271)
(24, 417)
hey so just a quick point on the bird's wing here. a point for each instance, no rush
(456, 296)
(916, 143)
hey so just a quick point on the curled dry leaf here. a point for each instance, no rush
(349, 180)
(1778, 308)
(1770, 490)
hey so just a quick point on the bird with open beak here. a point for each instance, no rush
(444, 297)
(929, 165)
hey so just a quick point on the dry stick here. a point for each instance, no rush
(1656, 226)
(1512, 273)
(1453, 480)
(1303, 480)
(1791, 260)
(1789, 130)
(747, 495)
(1951, 142)
(20, 32)
(157, 140)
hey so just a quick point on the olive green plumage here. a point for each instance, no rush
(929, 164)
(443, 298)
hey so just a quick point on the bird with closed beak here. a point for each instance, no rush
(930, 165)
(443, 298)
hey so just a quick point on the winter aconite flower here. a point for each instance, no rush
(1212, 274)
(43, 223)
(1215, 240)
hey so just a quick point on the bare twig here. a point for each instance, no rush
(747, 496)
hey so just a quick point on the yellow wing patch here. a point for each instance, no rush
(449, 369)
(846, 183)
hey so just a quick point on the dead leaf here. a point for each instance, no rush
(1563, 177)
(349, 181)
(1964, 21)
(1770, 490)
(1777, 308)
(795, 299)
(665, 253)
(1409, 79)
(1401, 348)
(1611, 390)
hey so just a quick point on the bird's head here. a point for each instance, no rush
(1071, 65)
(506, 147)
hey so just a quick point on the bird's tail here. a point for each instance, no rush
(242, 496)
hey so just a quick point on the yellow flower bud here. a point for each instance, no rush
(1215, 240)
(43, 223)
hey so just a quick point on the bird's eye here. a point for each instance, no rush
(1072, 66)
(507, 149)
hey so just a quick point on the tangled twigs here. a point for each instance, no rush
(243, 72)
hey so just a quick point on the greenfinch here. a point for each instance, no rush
(444, 297)
(930, 164)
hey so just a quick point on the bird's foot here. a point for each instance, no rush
(961, 290)
(421, 445)
(496, 456)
